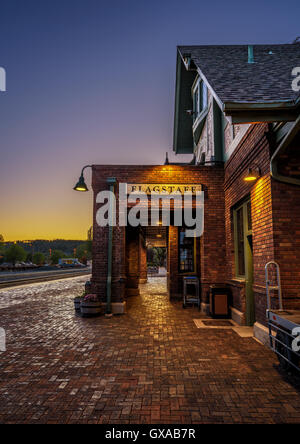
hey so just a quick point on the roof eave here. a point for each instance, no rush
(253, 112)
(204, 78)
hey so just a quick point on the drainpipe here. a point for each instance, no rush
(280, 150)
(250, 54)
(111, 181)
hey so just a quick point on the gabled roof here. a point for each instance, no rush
(233, 79)
(246, 92)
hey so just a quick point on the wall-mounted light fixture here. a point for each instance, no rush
(81, 185)
(252, 174)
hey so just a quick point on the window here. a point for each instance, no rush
(199, 98)
(186, 252)
(203, 96)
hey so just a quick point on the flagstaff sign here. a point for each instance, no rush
(135, 201)
(163, 188)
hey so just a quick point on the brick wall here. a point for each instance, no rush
(286, 213)
(143, 259)
(254, 148)
(132, 261)
(275, 212)
(174, 286)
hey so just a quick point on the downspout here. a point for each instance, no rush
(111, 181)
(280, 150)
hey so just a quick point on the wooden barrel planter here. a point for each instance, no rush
(90, 306)
(77, 302)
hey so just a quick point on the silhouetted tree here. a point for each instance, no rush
(14, 254)
(56, 255)
(38, 258)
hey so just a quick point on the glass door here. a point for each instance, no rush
(244, 254)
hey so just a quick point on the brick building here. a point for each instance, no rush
(237, 114)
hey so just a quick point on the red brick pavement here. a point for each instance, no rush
(149, 366)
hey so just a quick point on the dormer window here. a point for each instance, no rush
(199, 98)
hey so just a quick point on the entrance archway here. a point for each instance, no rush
(146, 256)
(128, 267)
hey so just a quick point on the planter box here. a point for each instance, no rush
(77, 302)
(90, 308)
(116, 307)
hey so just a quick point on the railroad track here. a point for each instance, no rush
(50, 277)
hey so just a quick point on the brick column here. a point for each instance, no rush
(100, 262)
(132, 261)
(173, 279)
(143, 259)
(99, 267)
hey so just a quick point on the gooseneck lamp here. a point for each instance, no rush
(81, 185)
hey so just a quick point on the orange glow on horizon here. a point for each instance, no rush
(64, 218)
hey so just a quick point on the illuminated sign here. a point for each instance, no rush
(163, 188)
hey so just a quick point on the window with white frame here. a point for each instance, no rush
(199, 98)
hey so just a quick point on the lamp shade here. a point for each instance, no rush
(81, 185)
(252, 175)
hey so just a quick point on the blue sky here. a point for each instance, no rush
(93, 82)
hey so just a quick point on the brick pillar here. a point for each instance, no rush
(212, 242)
(118, 265)
(143, 259)
(100, 262)
(132, 261)
(99, 267)
(173, 279)
(100, 247)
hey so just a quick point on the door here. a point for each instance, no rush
(244, 254)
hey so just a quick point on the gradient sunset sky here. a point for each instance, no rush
(92, 81)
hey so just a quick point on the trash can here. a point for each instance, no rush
(219, 301)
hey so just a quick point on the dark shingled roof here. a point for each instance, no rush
(233, 79)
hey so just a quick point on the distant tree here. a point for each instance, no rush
(160, 256)
(89, 246)
(29, 257)
(2, 252)
(38, 258)
(89, 242)
(156, 256)
(14, 254)
(1, 238)
(90, 234)
(84, 252)
(56, 255)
